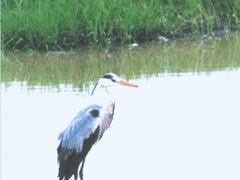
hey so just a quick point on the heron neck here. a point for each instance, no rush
(102, 92)
(102, 96)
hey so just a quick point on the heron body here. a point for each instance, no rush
(87, 128)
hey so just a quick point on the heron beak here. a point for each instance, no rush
(124, 83)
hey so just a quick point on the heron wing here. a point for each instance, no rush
(69, 159)
(81, 127)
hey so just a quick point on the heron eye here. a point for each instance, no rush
(113, 80)
(94, 113)
(108, 76)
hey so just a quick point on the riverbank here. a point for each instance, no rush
(61, 25)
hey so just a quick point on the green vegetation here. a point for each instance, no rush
(77, 69)
(64, 24)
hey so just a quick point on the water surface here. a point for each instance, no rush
(181, 123)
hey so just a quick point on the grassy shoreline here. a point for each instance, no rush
(62, 24)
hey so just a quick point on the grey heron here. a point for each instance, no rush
(87, 128)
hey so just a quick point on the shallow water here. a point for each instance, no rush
(181, 123)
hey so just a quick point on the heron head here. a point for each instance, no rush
(111, 80)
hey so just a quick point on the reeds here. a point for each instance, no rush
(64, 24)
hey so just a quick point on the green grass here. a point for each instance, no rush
(64, 24)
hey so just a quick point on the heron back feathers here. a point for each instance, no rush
(81, 127)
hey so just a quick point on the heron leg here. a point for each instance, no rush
(75, 176)
(81, 170)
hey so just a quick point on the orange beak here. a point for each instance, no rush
(124, 83)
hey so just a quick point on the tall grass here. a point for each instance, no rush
(57, 24)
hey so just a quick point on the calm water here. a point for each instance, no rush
(181, 123)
